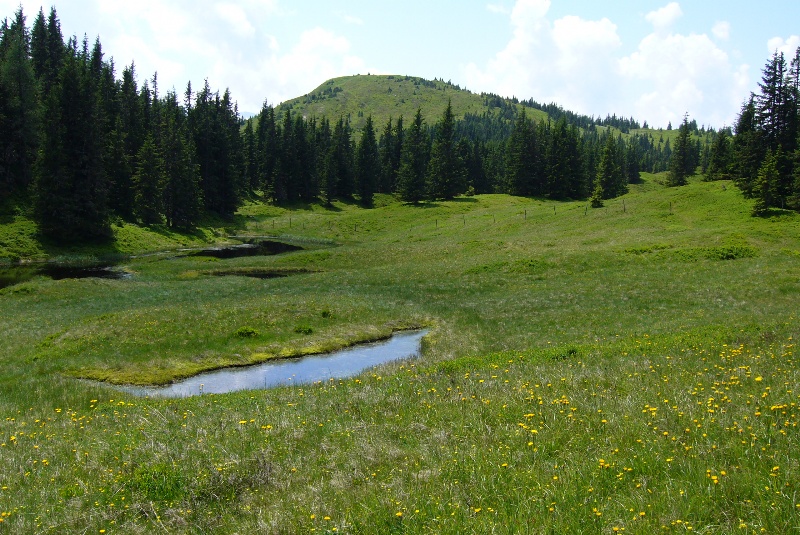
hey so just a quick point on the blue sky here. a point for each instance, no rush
(653, 60)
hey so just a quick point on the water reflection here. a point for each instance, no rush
(345, 363)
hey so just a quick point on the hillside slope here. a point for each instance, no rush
(385, 96)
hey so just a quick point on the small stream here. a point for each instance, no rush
(338, 365)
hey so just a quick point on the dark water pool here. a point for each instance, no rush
(19, 273)
(340, 364)
(12, 275)
(259, 248)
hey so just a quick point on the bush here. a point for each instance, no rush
(246, 332)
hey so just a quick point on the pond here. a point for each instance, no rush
(338, 365)
(259, 248)
(19, 273)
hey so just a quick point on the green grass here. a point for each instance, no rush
(631, 367)
(385, 96)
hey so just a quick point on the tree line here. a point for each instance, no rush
(763, 156)
(82, 148)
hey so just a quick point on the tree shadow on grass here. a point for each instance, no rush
(770, 213)
(423, 204)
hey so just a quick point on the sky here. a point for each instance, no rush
(649, 59)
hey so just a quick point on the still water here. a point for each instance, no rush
(340, 364)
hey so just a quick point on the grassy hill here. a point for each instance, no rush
(627, 368)
(385, 96)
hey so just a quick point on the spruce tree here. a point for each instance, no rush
(399, 140)
(386, 148)
(148, 183)
(267, 150)
(610, 181)
(118, 169)
(71, 188)
(304, 169)
(39, 53)
(182, 196)
(632, 162)
(345, 173)
(767, 176)
(793, 201)
(19, 109)
(522, 156)
(719, 158)
(748, 149)
(680, 165)
(413, 165)
(445, 169)
(251, 158)
(368, 165)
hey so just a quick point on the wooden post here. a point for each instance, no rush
(526, 214)
(623, 206)
(554, 209)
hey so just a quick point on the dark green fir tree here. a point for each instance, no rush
(413, 165)
(368, 165)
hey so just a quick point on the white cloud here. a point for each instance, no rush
(529, 12)
(722, 30)
(684, 73)
(550, 62)
(236, 17)
(577, 63)
(243, 54)
(664, 17)
(318, 56)
(787, 46)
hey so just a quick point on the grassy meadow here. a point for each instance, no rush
(629, 369)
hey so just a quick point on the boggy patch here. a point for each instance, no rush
(259, 248)
(256, 273)
(14, 275)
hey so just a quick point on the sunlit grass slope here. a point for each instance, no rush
(385, 96)
(626, 369)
